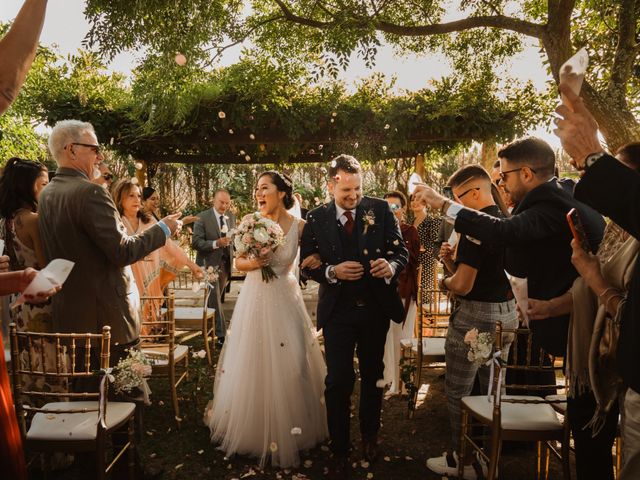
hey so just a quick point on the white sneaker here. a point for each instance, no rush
(441, 466)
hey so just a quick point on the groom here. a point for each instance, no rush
(362, 253)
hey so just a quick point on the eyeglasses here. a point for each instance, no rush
(394, 206)
(97, 149)
(467, 191)
(503, 175)
(107, 176)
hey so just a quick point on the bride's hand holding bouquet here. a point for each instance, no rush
(257, 237)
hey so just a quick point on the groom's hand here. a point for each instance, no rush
(380, 268)
(311, 262)
(349, 270)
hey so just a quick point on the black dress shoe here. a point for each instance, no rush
(370, 450)
(339, 468)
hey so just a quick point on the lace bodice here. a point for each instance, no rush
(284, 258)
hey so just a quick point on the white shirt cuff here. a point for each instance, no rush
(453, 210)
(214, 244)
(165, 228)
(393, 273)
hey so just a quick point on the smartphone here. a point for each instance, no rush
(573, 218)
(448, 192)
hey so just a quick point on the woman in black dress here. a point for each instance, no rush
(428, 225)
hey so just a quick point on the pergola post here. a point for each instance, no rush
(419, 166)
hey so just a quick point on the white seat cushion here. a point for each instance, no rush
(190, 313)
(561, 405)
(516, 416)
(432, 346)
(178, 353)
(75, 426)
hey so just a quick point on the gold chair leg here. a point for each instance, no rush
(494, 457)
(547, 455)
(132, 448)
(462, 454)
(174, 395)
(207, 347)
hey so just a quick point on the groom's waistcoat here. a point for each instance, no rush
(352, 290)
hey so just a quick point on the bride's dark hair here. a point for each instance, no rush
(283, 183)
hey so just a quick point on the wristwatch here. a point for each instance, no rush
(331, 273)
(593, 158)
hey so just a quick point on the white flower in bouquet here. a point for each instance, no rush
(255, 235)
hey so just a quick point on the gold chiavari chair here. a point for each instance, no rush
(191, 312)
(77, 421)
(168, 358)
(523, 418)
(426, 349)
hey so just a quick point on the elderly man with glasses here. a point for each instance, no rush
(79, 222)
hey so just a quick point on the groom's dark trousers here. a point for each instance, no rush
(354, 315)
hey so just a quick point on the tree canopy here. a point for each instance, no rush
(476, 34)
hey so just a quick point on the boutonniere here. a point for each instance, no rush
(224, 228)
(369, 219)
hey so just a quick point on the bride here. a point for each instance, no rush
(268, 394)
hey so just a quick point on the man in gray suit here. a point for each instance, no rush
(214, 247)
(79, 222)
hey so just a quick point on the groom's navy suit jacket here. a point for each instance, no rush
(382, 239)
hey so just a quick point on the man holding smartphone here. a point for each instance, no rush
(484, 297)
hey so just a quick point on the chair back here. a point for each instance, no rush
(158, 323)
(525, 358)
(69, 356)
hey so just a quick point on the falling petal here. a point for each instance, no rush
(252, 136)
(200, 452)
(387, 126)
(364, 464)
(180, 59)
(111, 141)
(332, 120)
(355, 145)
(242, 152)
(396, 242)
(334, 114)
(384, 148)
(221, 114)
(273, 447)
(179, 466)
(308, 463)
(320, 147)
(296, 431)
(381, 383)
(247, 158)
(365, 251)
(231, 131)
(262, 147)
(311, 151)
(138, 165)
(134, 180)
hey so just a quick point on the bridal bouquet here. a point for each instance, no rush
(480, 346)
(257, 235)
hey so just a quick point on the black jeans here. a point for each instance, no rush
(593, 454)
(363, 330)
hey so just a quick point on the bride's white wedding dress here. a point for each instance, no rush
(268, 394)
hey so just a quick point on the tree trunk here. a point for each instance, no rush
(488, 154)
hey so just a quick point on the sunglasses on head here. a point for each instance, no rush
(108, 176)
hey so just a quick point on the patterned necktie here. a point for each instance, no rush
(348, 225)
(222, 234)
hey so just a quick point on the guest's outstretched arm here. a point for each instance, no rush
(18, 49)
